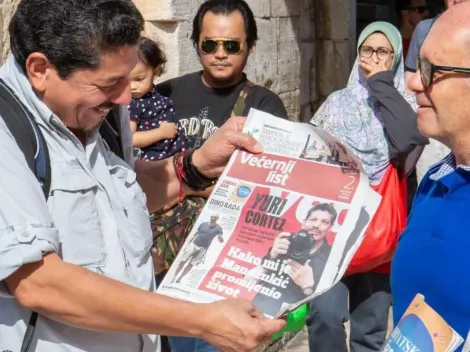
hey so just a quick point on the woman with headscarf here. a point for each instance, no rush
(376, 119)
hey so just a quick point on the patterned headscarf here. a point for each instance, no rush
(353, 115)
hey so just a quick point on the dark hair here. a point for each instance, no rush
(151, 54)
(226, 7)
(73, 34)
(324, 207)
(401, 5)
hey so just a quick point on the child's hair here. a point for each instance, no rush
(150, 54)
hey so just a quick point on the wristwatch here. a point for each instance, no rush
(308, 291)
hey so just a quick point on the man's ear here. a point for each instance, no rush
(251, 50)
(38, 70)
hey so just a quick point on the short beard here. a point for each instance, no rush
(227, 81)
(224, 82)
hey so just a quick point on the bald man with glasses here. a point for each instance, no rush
(432, 255)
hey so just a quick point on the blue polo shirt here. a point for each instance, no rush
(433, 254)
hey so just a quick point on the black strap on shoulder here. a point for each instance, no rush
(27, 135)
(239, 106)
(31, 141)
(110, 131)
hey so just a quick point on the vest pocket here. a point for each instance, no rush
(72, 202)
(138, 241)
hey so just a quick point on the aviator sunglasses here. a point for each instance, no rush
(418, 9)
(231, 46)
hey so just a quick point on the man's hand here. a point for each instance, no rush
(281, 245)
(370, 68)
(301, 275)
(236, 325)
(214, 154)
(220, 238)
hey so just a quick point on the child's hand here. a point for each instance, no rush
(169, 130)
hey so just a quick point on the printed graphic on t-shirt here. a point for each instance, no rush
(198, 128)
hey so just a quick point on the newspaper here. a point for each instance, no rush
(422, 329)
(466, 346)
(280, 227)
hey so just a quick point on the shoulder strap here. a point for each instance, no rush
(31, 141)
(110, 131)
(240, 103)
(27, 135)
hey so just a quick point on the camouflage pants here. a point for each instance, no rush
(170, 229)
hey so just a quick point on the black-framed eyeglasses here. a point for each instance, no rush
(419, 9)
(382, 53)
(427, 70)
(231, 46)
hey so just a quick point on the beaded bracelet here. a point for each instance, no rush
(195, 179)
(188, 173)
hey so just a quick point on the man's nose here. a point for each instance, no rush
(315, 224)
(415, 84)
(220, 52)
(122, 94)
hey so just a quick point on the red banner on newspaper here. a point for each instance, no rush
(273, 170)
(263, 218)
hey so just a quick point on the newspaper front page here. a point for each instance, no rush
(280, 227)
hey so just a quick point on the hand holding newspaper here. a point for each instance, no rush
(288, 221)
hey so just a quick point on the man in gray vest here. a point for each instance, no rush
(81, 258)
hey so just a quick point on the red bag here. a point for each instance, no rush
(381, 237)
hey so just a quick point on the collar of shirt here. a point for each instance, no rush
(445, 167)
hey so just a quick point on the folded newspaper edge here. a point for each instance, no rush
(288, 221)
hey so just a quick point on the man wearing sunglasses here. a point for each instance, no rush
(224, 34)
(432, 255)
(410, 13)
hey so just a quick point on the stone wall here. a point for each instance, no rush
(335, 23)
(303, 54)
(290, 58)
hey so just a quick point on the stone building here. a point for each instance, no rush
(303, 54)
(305, 50)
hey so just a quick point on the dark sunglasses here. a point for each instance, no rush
(231, 46)
(427, 70)
(419, 9)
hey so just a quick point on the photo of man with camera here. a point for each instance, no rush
(300, 259)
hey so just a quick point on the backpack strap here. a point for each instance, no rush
(30, 140)
(110, 131)
(240, 103)
(27, 135)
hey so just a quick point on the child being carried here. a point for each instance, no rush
(152, 116)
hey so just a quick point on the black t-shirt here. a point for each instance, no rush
(292, 293)
(202, 110)
(206, 233)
